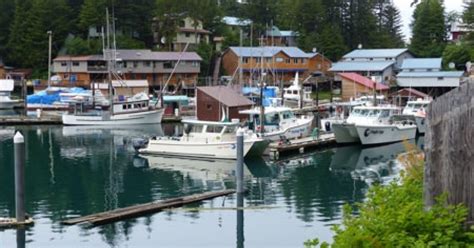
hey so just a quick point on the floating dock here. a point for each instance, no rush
(13, 223)
(30, 120)
(278, 148)
(144, 209)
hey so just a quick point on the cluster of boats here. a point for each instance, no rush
(378, 124)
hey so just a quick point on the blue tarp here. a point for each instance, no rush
(48, 98)
(268, 93)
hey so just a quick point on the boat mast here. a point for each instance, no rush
(109, 65)
(262, 108)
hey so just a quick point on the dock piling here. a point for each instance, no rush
(240, 161)
(19, 147)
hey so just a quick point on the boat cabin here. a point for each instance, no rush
(414, 107)
(209, 131)
(274, 118)
(373, 113)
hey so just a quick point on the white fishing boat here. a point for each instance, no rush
(418, 110)
(385, 132)
(346, 132)
(293, 93)
(278, 122)
(6, 87)
(203, 139)
(120, 110)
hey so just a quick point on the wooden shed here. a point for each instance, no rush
(217, 103)
(355, 85)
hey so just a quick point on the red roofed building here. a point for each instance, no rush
(355, 85)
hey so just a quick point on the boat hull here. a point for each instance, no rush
(148, 117)
(183, 149)
(345, 133)
(8, 104)
(383, 134)
(293, 132)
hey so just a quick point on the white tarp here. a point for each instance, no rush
(7, 85)
(123, 84)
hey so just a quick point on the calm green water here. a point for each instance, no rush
(73, 171)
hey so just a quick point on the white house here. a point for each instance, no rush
(380, 65)
(426, 74)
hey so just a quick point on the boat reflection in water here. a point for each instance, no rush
(206, 174)
(372, 164)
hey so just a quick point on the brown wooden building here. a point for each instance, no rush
(220, 103)
(280, 64)
(355, 85)
(155, 67)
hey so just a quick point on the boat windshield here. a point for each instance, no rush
(287, 115)
(214, 129)
(374, 113)
(230, 129)
(364, 112)
(385, 113)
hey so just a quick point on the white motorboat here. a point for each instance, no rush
(6, 87)
(293, 93)
(130, 111)
(202, 139)
(279, 122)
(418, 110)
(385, 132)
(346, 132)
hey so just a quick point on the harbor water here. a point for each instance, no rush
(76, 171)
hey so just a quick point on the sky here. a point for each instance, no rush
(407, 11)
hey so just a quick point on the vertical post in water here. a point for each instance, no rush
(240, 160)
(240, 220)
(19, 146)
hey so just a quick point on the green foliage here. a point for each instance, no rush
(429, 29)
(92, 14)
(395, 216)
(7, 8)
(458, 54)
(206, 52)
(468, 19)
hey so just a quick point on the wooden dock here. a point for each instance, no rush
(13, 223)
(144, 209)
(324, 140)
(30, 120)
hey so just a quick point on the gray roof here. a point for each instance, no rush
(376, 53)
(431, 74)
(226, 96)
(349, 66)
(425, 63)
(275, 31)
(268, 51)
(142, 54)
(235, 21)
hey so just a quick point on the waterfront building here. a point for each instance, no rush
(380, 65)
(355, 85)
(277, 37)
(189, 31)
(219, 103)
(280, 64)
(155, 67)
(426, 75)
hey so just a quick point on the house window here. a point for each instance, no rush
(430, 69)
(287, 61)
(412, 70)
(371, 59)
(245, 60)
(257, 60)
(143, 76)
(168, 65)
(279, 59)
(147, 63)
(75, 63)
(196, 64)
(295, 61)
(135, 64)
(182, 24)
(154, 77)
(209, 107)
(63, 64)
(440, 78)
(303, 61)
(125, 64)
(188, 35)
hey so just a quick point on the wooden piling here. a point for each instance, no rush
(449, 148)
(144, 209)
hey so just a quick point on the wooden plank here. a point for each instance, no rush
(143, 209)
(449, 148)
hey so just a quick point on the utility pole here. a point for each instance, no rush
(50, 37)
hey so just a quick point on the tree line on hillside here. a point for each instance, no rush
(333, 27)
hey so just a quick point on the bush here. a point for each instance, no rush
(395, 216)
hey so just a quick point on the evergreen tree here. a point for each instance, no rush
(92, 14)
(389, 34)
(468, 20)
(7, 8)
(429, 30)
(17, 38)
